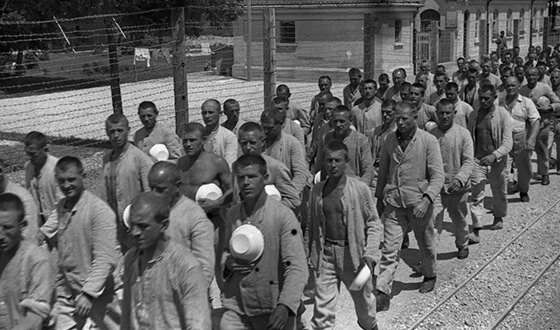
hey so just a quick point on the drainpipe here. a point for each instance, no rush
(488, 36)
(531, 24)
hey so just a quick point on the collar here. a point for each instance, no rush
(401, 138)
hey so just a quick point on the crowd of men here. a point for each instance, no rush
(355, 175)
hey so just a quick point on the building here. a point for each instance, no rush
(327, 37)
(469, 28)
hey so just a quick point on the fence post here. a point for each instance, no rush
(179, 69)
(269, 53)
(249, 61)
(114, 77)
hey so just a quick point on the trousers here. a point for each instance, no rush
(396, 222)
(232, 320)
(522, 160)
(541, 148)
(497, 175)
(456, 205)
(336, 267)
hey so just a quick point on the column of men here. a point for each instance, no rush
(389, 162)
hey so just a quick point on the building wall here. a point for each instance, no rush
(327, 42)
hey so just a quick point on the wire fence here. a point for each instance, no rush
(62, 85)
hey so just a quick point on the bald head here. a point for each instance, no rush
(213, 103)
(152, 204)
(165, 178)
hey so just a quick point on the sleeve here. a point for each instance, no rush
(202, 244)
(194, 300)
(50, 227)
(293, 256)
(554, 100)
(31, 216)
(40, 273)
(299, 166)
(145, 165)
(225, 254)
(174, 146)
(373, 225)
(231, 148)
(304, 121)
(467, 159)
(532, 112)
(298, 134)
(434, 164)
(285, 185)
(367, 171)
(104, 238)
(507, 137)
(384, 171)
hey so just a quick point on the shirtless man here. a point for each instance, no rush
(199, 167)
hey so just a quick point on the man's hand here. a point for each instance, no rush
(243, 268)
(454, 186)
(421, 208)
(380, 207)
(488, 160)
(40, 237)
(529, 145)
(369, 262)
(209, 205)
(83, 305)
(278, 318)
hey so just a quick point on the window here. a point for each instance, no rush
(398, 31)
(476, 31)
(522, 22)
(287, 32)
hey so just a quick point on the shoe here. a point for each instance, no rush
(382, 301)
(512, 187)
(524, 197)
(405, 242)
(428, 285)
(463, 253)
(498, 224)
(545, 180)
(474, 237)
(417, 269)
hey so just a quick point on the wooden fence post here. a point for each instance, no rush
(269, 53)
(179, 69)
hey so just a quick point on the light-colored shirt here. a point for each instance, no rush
(43, 188)
(27, 285)
(222, 142)
(457, 154)
(539, 91)
(125, 178)
(523, 113)
(239, 123)
(280, 274)
(30, 209)
(294, 130)
(502, 138)
(168, 294)
(189, 225)
(492, 78)
(289, 151)
(366, 118)
(297, 113)
(87, 244)
(160, 134)
(426, 113)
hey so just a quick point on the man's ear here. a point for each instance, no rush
(22, 224)
(266, 176)
(165, 224)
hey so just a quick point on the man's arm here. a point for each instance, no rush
(534, 123)
(367, 171)
(434, 163)
(104, 238)
(467, 159)
(303, 120)
(194, 300)
(283, 182)
(224, 176)
(300, 173)
(174, 146)
(374, 228)
(507, 137)
(384, 170)
(297, 131)
(293, 256)
(202, 242)
(145, 164)
(554, 100)
(231, 147)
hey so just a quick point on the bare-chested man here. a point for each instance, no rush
(199, 167)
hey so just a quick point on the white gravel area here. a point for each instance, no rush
(81, 113)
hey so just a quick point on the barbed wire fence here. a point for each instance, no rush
(63, 86)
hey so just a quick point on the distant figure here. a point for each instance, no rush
(39, 174)
(232, 110)
(351, 93)
(27, 272)
(501, 43)
(325, 85)
(218, 139)
(289, 127)
(161, 276)
(154, 133)
(367, 115)
(399, 76)
(383, 85)
(295, 112)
